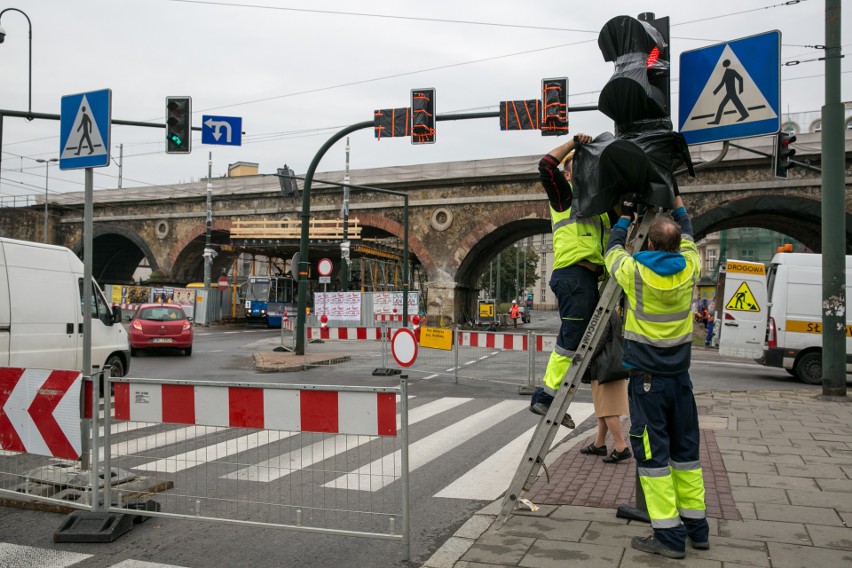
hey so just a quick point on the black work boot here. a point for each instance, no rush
(653, 546)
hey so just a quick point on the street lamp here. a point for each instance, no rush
(3, 37)
(46, 166)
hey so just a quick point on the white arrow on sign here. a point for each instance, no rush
(215, 125)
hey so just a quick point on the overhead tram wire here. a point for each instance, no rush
(438, 68)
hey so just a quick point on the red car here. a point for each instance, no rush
(156, 326)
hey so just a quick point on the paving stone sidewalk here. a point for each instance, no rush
(778, 473)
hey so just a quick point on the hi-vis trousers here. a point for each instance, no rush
(665, 440)
(576, 290)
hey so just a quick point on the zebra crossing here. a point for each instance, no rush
(458, 419)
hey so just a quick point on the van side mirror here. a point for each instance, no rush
(116, 314)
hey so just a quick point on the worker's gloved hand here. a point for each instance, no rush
(629, 204)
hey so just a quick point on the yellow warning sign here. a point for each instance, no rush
(743, 300)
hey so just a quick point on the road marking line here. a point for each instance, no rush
(385, 470)
(32, 557)
(285, 464)
(488, 480)
(208, 454)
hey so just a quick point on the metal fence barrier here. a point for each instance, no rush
(266, 455)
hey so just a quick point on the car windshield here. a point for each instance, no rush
(161, 314)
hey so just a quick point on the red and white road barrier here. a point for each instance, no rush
(505, 341)
(40, 412)
(131, 307)
(347, 333)
(394, 317)
(338, 412)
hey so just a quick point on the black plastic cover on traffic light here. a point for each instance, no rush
(287, 180)
(178, 125)
(391, 122)
(520, 115)
(554, 98)
(641, 161)
(423, 116)
(637, 48)
(645, 151)
(783, 157)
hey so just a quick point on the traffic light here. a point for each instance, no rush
(645, 151)
(423, 116)
(287, 180)
(554, 106)
(783, 157)
(639, 87)
(178, 125)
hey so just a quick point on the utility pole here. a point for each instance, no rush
(834, 300)
(344, 246)
(497, 292)
(208, 251)
(517, 272)
(120, 163)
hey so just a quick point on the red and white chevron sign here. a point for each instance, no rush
(40, 412)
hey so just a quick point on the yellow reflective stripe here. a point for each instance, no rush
(557, 367)
(646, 443)
(689, 488)
(660, 500)
(639, 338)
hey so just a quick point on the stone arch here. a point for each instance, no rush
(797, 217)
(415, 245)
(186, 261)
(117, 253)
(486, 240)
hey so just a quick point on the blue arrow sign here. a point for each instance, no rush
(222, 130)
(85, 121)
(731, 90)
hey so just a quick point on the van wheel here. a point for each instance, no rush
(116, 366)
(808, 368)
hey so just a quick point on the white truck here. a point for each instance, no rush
(41, 316)
(789, 326)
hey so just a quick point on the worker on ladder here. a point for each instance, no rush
(578, 265)
(658, 284)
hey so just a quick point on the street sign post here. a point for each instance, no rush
(731, 90)
(85, 121)
(222, 130)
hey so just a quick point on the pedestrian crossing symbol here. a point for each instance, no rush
(731, 90)
(85, 130)
(743, 300)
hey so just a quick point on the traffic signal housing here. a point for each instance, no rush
(288, 182)
(554, 106)
(783, 157)
(423, 116)
(178, 125)
(639, 87)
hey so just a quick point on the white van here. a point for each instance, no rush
(794, 328)
(41, 316)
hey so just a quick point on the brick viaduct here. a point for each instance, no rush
(461, 214)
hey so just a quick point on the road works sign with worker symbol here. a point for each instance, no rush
(84, 127)
(731, 90)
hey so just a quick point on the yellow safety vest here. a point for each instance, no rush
(659, 312)
(578, 238)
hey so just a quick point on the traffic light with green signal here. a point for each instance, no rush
(783, 157)
(178, 125)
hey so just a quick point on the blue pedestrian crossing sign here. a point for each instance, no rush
(222, 130)
(731, 90)
(84, 130)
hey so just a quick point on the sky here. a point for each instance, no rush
(298, 72)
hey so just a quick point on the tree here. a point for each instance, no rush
(511, 280)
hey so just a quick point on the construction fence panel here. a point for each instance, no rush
(287, 456)
(44, 444)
